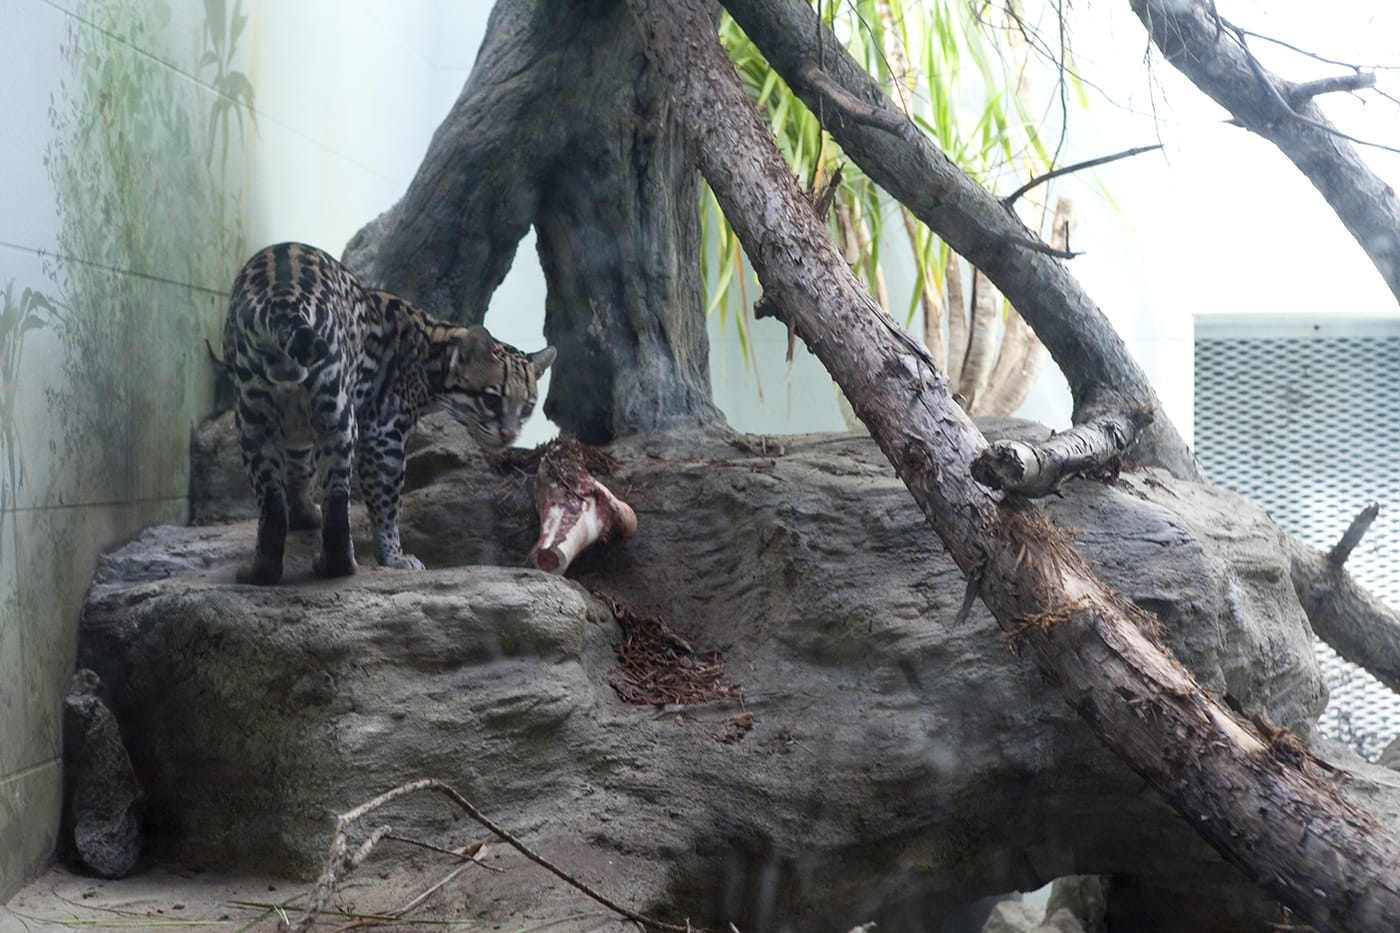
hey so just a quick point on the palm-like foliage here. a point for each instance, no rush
(962, 80)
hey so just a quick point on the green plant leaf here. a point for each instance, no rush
(953, 57)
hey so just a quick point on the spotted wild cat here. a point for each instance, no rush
(327, 371)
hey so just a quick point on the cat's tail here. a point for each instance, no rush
(302, 348)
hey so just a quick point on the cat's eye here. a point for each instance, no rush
(492, 403)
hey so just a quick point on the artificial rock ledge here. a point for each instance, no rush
(899, 761)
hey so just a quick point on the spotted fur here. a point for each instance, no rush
(328, 373)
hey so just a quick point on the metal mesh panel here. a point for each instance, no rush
(1304, 419)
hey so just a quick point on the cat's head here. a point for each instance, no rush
(489, 386)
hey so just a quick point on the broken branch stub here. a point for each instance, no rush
(1095, 447)
(575, 509)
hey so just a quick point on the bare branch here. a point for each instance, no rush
(1194, 39)
(442, 850)
(1101, 373)
(1360, 627)
(1315, 56)
(1011, 198)
(1036, 246)
(1307, 90)
(1286, 100)
(1352, 536)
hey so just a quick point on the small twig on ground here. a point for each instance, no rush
(339, 862)
(398, 913)
(468, 853)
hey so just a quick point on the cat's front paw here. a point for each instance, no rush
(400, 561)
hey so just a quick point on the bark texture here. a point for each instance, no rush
(1102, 375)
(1195, 40)
(563, 126)
(1256, 796)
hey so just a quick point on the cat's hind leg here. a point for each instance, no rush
(333, 426)
(259, 441)
(302, 512)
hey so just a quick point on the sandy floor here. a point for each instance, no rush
(159, 898)
(163, 899)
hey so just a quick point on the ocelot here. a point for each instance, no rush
(327, 371)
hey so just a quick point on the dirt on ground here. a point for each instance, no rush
(166, 898)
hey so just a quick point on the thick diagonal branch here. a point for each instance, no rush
(1202, 47)
(1259, 799)
(1102, 375)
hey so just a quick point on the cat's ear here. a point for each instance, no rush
(541, 359)
(472, 346)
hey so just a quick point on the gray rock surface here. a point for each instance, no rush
(102, 799)
(1082, 897)
(1013, 917)
(898, 762)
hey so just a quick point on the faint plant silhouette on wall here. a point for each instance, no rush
(149, 236)
(20, 314)
(222, 30)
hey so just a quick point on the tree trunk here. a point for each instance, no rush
(562, 126)
(1254, 794)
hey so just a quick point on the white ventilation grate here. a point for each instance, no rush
(1303, 417)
